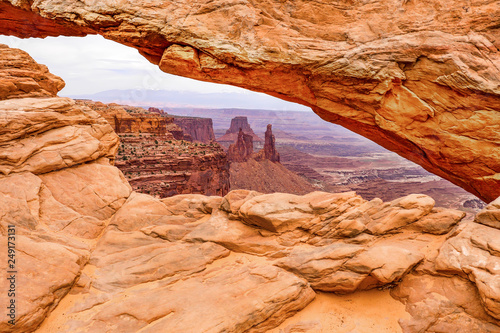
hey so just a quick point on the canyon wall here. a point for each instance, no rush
(198, 129)
(124, 122)
(163, 167)
(419, 78)
(154, 158)
(237, 124)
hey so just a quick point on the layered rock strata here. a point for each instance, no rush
(92, 255)
(419, 78)
(125, 122)
(242, 149)
(269, 152)
(163, 167)
(237, 124)
(198, 129)
(155, 159)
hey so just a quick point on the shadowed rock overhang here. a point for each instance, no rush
(420, 78)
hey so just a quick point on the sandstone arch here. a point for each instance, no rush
(420, 78)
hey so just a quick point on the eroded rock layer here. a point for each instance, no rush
(419, 78)
(198, 129)
(92, 255)
(155, 159)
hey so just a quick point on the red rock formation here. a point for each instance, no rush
(269, 151)
(21, 76)
(197, 129)
(76, 223)
(242, 149)
(152, 159)
(237, 124)
(124, 122)
(155, 110)
(160, 166)
(418, 77)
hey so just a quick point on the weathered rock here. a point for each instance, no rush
(242, 149)
(439, 221)
(205, 302)
(21, 76)
(400, 213)
(237, 124)
(344, 268)
(65, 135)
(163, 167)
(141, 259)
(442, 304)
(100, 257)
(235, 236)
(490, 216)
(475, 253)
(198, 129)
(51, 222)
(398, 75)
(125, 122)
(269, 151)
(46, 272)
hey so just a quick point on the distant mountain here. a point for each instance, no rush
(167, 98)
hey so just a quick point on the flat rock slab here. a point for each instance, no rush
(234, 298)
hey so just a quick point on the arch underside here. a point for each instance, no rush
(420, 79)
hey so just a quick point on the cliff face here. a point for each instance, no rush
(155, 159)
(76, 222)
(269, 152)
(125, 122)
(242, 149)
(21, 76)
(198, 129)
(419, 78)
(237, 124)
(163, 167)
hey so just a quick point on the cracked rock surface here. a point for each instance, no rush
(420, 78)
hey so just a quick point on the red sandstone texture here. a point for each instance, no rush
(419, 78)
(136, 121)
(163, 167)
(269, 151)
(196, 129)
(242, 149)
(21, 76)
(93, 256)
(155, 159)
(232, 133)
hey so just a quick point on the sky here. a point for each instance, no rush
(93, 64)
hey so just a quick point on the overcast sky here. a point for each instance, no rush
(92, 64)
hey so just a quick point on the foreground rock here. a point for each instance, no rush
(408, 75)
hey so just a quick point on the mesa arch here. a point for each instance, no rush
(420, 78)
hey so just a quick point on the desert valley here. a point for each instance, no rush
(376, 211)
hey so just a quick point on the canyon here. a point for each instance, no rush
(93, 255)
(259, 171)
(157, 157)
